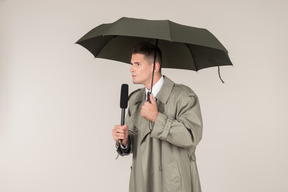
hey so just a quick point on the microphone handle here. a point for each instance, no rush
(122, 118)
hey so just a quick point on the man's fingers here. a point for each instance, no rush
(124, 127)
(120, 132)
(121, 127)
(153, 102)
(151, 97)
(118, 136)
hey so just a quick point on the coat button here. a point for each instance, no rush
(135, 129)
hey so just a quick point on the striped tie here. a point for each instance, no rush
(148, 97)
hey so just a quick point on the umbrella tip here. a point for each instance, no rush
(219, 74)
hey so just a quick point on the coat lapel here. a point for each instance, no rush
(141, 124)
(165, 91)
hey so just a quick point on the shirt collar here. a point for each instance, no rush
(156, 88)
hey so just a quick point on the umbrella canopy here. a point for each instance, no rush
(182, 47)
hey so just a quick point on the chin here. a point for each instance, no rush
(136, 82)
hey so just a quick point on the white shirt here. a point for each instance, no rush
(156, 88)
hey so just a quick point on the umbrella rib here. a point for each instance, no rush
(196, 68)
(114, 36)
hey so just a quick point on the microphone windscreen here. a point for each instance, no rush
(124, 96)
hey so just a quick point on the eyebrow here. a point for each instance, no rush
(134, 63)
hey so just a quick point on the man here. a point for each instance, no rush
(161, 135)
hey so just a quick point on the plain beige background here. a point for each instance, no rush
(58, 104)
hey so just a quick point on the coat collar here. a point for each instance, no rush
(140, 96)
(163, 94)
(166, 90)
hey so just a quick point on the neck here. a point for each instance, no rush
(156, 79)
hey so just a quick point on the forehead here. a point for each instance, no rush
(139, 58)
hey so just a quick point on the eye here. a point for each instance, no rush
(136, 64)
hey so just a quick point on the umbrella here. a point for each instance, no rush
(182, 47)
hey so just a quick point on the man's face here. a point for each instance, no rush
(141, 70)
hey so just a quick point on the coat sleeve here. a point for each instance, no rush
(124, 152)
(185, 129)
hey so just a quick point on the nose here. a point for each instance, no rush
(131, 68)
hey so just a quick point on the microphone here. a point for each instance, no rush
(123, 101)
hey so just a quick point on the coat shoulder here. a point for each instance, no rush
(183, 89)
(133, 94)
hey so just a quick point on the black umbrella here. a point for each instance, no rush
(182, 47)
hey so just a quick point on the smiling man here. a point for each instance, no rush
(161, 134)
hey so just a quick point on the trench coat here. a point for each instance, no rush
(164, 152)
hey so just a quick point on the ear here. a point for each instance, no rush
(157, 67)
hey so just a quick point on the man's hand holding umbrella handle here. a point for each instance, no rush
(120, 132)
(149, 110)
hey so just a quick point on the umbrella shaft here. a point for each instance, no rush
(155, 55)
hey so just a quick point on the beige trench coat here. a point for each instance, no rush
(164, 153)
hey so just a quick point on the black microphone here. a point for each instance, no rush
(123, 101)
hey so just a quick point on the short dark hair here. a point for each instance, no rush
(148, 50)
